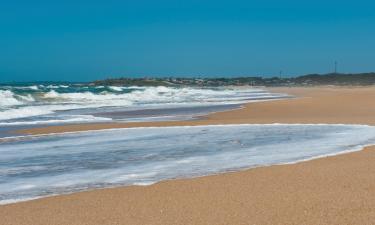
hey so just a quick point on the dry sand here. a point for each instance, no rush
(333, 190)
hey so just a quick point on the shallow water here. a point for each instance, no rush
(47, 165)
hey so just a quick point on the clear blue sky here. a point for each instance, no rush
(88, 40)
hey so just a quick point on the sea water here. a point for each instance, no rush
(37, 166)
(77, 103)
(34, 105)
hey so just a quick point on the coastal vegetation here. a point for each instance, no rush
(339, 79)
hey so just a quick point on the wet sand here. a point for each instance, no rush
(333, 190)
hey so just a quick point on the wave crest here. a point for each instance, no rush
(8, 98)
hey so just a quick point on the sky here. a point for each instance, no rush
(88, 40)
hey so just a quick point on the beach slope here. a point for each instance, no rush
(332, 190)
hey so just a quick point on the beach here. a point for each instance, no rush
(332, 190)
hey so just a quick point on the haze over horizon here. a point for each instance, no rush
(85, 41)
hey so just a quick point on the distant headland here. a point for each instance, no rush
(339, 79)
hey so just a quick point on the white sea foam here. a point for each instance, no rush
(52, 86)
(29, 111)
(33, 87)
(155, 94)
(66, 119)
(115, 88)
(7, 98)
(26, 98)
(65, 163)
(50, 100)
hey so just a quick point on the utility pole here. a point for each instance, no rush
(335, 67)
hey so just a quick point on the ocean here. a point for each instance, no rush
(30, 105)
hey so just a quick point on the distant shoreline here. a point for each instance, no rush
(339, 79)
(308, 80)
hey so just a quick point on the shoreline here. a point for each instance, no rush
(10, 138)
(328, 155)
(264, 112)
(207, 200)
(307, 200)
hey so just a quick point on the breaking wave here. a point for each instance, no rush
(8, 98)
(20, 102)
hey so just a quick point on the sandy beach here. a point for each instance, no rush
(333, 190)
